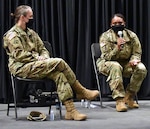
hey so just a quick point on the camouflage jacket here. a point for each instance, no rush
(23, 47)
(108, 45)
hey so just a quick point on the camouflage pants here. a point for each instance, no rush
(116, 72)
(54, 68)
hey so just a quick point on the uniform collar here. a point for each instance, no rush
(23, 32)
(113, 36)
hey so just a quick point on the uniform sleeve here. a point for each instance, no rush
(42, 50)
(14, 48)
(108, 49)
(137, 50)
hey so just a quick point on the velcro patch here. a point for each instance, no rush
(11, 35)
(102, 44)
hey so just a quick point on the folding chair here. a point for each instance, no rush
(54, 99)
(100, 78)
(95, 51)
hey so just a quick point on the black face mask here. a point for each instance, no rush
(117, 28)
(29, 24)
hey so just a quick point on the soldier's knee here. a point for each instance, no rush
(116, 65)
(141, 69)
(62, 62)
(59, 59)
(61, 65)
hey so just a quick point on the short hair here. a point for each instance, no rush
(118, 15)
(20, 10)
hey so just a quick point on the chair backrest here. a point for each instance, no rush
(100, 78)
(95, 48)
(48, 47)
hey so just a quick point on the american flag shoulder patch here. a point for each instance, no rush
(102, 44)
(11, 35)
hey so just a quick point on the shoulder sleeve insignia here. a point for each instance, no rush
(102, 44)
(11, 35)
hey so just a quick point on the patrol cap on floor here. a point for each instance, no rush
(36, 116)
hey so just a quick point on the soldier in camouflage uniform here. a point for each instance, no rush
(28, 58)
(121, 57)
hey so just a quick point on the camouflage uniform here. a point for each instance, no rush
(24, 48)
(114, 63)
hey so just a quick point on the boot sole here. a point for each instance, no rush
(123, 110)
(92, 98)
(133, 107)
(79, 119)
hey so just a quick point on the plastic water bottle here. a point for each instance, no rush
(82, 102)
(87, 103)
(31, 98)
(57, 111)
(51, 115)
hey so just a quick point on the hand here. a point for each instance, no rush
(120, 41)
(134, 62)
(40, 58)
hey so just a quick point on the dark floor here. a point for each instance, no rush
(98, 118)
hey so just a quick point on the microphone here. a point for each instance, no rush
(120, 34)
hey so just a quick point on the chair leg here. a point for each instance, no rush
(58, 106)
(96, 74)
(60, 110)
(50, 103)
(8, 103)
(98, 85)
(136, 98)
(8, 99)
(49, 110)
(8, 109)
(14, 96)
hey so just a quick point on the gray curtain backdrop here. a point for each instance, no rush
(72, 26)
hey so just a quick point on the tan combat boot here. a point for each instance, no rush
(129, 100)
(120, 105)
(72, 113)
(83, 93)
